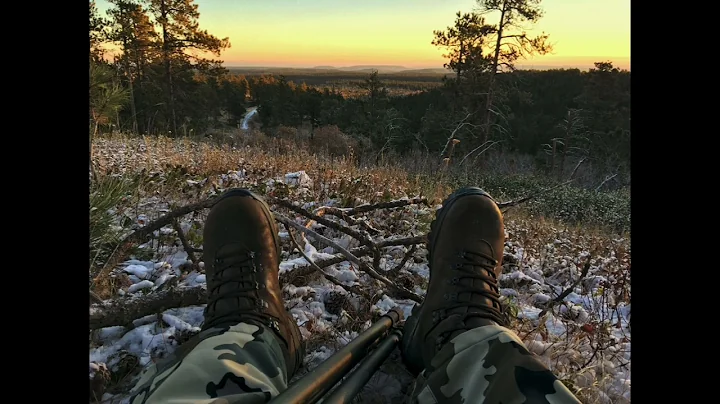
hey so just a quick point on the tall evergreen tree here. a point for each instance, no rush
(97, 33)
(180, 32)
(135, 35)
(511, 43)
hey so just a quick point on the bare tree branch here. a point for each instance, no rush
(504, 205)
(608, 178)
(572, 175)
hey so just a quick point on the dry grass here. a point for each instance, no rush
(122, 155)
(558, 251)
(169, 171)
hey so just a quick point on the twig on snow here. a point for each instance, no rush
(364, 239)
(125, 245)
(559, 298)
(404, 261)
(183, 240)
(401, 291)
(168, 218)
(288, 277)
(354, 289)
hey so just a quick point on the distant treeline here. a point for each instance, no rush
(322, 77)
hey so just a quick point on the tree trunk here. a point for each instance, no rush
(133, 110)
(491, 82)
(168, 69)
(565, 147)
(552, 160)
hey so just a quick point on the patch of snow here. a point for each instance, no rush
(140, 285)
(139, 271)
(554, 326)
(384, 305)
(299, 178)
(179, 324)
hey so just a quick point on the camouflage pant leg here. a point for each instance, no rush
(239, 364)
(488, 365)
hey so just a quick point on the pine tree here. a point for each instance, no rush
(180, 32)
(511, 43)
(132, 30)
(97, 33)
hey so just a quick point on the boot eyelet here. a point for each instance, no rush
(457, 266)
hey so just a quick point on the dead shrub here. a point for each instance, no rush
(333, 140)
(286, 132)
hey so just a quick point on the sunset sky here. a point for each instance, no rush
(307, 33)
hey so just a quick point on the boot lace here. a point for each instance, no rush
(238, 268)
(470, 262)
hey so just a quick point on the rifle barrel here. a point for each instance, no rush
(356, 380)
(311, 387)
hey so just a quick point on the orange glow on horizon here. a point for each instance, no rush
(342, 32)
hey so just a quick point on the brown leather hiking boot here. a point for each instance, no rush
(241, 252)
(465, 250)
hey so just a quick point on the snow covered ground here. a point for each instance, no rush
(584, 338)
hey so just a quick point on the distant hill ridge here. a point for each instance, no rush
(384, 69)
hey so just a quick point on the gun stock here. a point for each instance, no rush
(312, 386)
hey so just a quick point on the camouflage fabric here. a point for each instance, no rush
(239, 364)
(490, 365)
(244, 364)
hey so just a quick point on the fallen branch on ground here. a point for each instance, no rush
(364, 239)
(565, 293)
(305, 270)
(168, 218)
(347, 212)
(136, 236)
(183, 240)
(349, 288)
(404, 261)
(401, 291)
(124, 310)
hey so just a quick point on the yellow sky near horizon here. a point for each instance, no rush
(297, 33)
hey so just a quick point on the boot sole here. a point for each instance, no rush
(411, 323)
